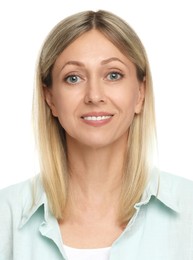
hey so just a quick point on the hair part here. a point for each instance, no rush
(51, 136)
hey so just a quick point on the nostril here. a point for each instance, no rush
(94, 99)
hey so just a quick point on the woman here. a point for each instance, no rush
(98, 195)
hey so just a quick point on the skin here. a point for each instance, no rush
(92, 77)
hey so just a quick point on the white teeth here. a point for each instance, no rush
(96, 118)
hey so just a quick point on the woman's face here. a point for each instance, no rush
(95, 92)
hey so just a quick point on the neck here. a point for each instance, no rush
(96, 170)
(95, 182)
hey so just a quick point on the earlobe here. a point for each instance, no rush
(141, 98)
(49, 100)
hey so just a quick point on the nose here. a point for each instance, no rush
(94, 92)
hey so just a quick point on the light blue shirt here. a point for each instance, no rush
(161, 229)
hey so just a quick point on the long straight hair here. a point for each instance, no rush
(50, 134)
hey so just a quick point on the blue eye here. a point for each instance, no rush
(72, 79)
(114, 76)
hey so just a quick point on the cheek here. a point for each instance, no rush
(62, 109)
(66, 107)
(63, 102)
(126, 102)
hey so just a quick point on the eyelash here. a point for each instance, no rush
(119, 74)
(71, 76)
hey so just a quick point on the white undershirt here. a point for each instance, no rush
(87, 254)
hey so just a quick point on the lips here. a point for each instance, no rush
(97, 118)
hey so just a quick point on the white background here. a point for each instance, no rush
(166, 29)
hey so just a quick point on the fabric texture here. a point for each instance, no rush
(162, 227)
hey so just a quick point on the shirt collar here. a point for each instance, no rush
(32, 205)
(159, 188)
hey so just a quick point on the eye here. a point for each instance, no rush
(114, 75)
(72, 79)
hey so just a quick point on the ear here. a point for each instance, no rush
(141, 97)
(48, 96)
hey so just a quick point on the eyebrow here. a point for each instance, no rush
(111, 59)
(73, 62)
(80, 64)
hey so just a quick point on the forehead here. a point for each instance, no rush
(91, 40)
(91, 46)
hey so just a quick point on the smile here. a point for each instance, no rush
(96, 118)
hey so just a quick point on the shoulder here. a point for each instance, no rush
(18, 196)
(176, 183)
(178, 189)
(14, 201)
(17, 190)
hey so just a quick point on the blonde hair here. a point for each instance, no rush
(50, 134)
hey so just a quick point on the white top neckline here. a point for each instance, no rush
(87, 254)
